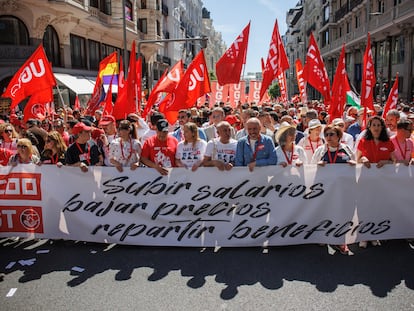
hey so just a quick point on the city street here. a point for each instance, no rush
(67, 275)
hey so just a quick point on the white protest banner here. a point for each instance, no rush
(270, 206)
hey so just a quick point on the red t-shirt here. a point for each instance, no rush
(375, 153)
(160, 152)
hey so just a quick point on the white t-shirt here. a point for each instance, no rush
(125, 152)
(298, 154)
(222, 152)
(189, 155)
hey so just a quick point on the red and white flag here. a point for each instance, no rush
(34, 76)
(314, 71)
(194, 84)
(219, 93)
(301, 81)
(277, 61)
(237, 93)
(368, 78)
(281, 78)
(392, 98)
(36, 106)
(340, 86)
(229, 66)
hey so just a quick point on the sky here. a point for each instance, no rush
(231, 16)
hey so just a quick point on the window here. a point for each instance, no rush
(143, 4)
(158, 28)
(348, 27)
(142, 25)
(78, 52)
(13, 31)
(94, 54)
(128, 10)
(94, 3)
(105, 7)
(381, 6)
(357, 21)
(398, 50)
(52, 46)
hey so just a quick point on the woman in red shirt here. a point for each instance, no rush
(375, 146)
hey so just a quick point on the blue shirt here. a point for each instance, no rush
(354, 130)
(264, 152)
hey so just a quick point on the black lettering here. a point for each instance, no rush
(254, 191)
(139, 229)
(323, 224)
(297, 191)
(316, 191)
(116, 229)
(233, 194)
(77, 204)
(262, 210)
(363, 229)
(240, 232)
(114, 188)
(260, 231)
(164, 206)
(343, 229)
(298, 231)
(383, 227)
(203, 193)
(276, 229)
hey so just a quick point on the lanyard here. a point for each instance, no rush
(54, 159)
(130, 151)
(330, 156)
(289, 161)
(399, 147)
(311, 144)
(258, 147)
(88, 154)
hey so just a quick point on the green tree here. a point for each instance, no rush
(212, 76)
(274, 90)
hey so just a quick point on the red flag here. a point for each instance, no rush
(194, 84)
(254, 91)
(229, 66)
(237, 93)
(167, 83)
(368, 78)
(301, 81)
(276, 60)
(340, 86)
(314, 71)
(121, 83)
(77, 103)
(35, 75)
(35, 107)
(281, 78)
(138, 93)
(170, 115)
(108, 109)
(219, 93)
(392, 98)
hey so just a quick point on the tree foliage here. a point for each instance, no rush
(274, 90)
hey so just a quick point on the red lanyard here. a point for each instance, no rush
(130, 150)
(54, 159)
(399, 147)
(258, 147)
(289, 161)
(310, 143)
(88, 154)
(330, 156)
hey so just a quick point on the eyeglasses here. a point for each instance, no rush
(8, 131)
(124, 128)
(330, 134)
(24, 147)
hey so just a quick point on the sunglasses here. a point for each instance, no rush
(24, 147)
(124, 128)
(8, 131)
(330, 134)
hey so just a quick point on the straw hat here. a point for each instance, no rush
(284, 126)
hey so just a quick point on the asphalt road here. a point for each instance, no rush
(67, 275)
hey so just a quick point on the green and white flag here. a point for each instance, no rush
(353, 99)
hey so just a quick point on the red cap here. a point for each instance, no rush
(106, 119)
(97, 132)
(79, 127)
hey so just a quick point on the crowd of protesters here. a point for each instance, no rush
(220, 136)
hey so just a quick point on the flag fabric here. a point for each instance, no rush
(314, 71)
(167, 83)
(194, 84)
(77, 103)
(121, 96)
(340, 87)
(170, 115)
(219, 93)
(36, 106)
(353, 99)
(254, 91)
(276, 62)
(229, 66)
(237, 93)
(138, 93)
(301, 81)
(108, 70)
(98, 95)
(35, 75)
(108, 107)
(368, 78)
(392, 98)
(281, 78)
